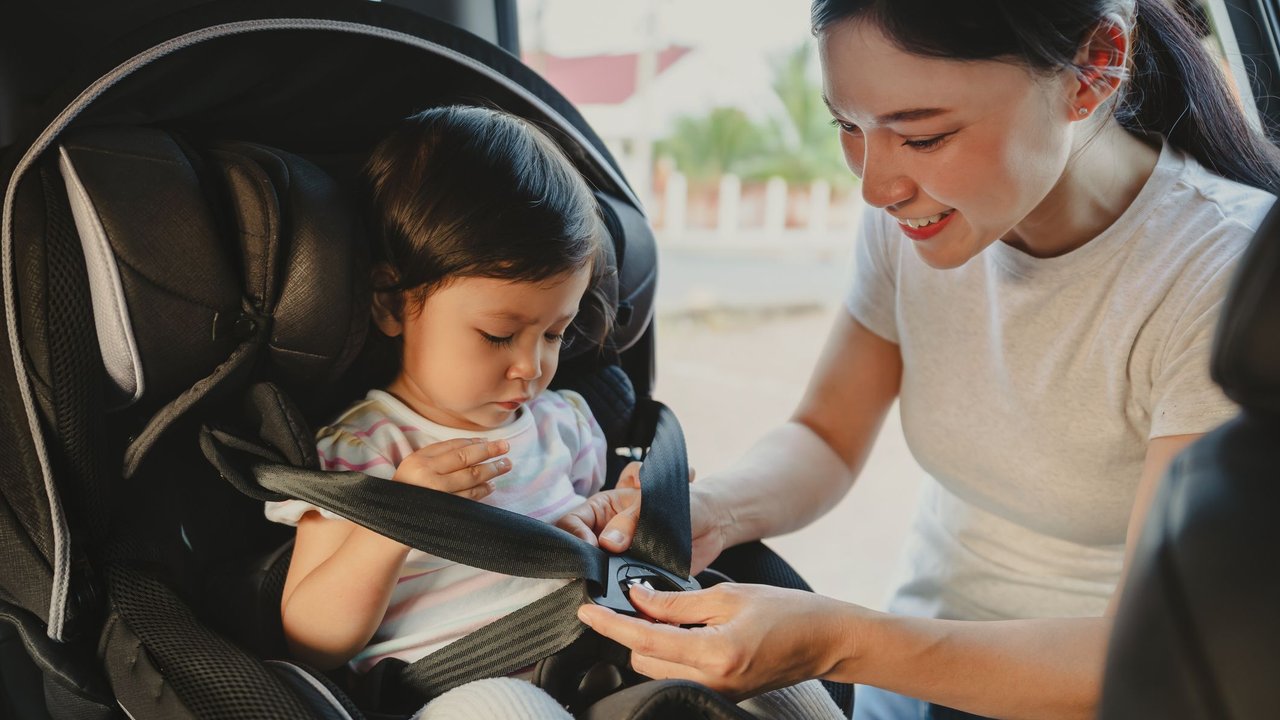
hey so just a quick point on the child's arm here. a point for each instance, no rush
(341, 575)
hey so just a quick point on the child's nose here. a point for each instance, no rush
(527, 366)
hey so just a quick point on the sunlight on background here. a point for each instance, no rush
(713, 111)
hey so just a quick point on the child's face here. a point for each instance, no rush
(480, 347)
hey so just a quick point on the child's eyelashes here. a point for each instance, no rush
(496, 340)
(559, 338)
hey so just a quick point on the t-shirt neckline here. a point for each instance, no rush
(1169, 166)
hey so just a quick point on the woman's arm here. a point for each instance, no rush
(757, 638)
(800, 470)
(794, 473)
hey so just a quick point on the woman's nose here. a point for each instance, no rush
(883, 182)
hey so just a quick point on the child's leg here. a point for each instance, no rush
(803, 701)
(494, 699)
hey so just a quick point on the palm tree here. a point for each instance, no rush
(799, 146)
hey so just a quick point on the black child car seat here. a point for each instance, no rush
(185, 295)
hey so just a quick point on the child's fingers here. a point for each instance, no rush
(471, 478)
(461, 456)
(577, 527)
(630, 476)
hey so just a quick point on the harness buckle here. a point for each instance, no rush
(626, 572)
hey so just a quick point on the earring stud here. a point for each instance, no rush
(1082, 111)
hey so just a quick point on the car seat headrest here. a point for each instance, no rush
(206, 268)
(1246, 352)
(634, 258)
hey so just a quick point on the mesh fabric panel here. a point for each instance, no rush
(213, 677)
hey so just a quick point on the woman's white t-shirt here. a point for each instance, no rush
(1031, 387)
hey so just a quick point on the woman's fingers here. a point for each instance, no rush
(676, 608)
(655, 640)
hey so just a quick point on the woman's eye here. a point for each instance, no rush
(845, 126)
(926, 143)
(499, 341)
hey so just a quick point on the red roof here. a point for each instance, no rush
(597, 79)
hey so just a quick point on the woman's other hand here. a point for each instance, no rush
(463, 466)
(753, 638)
(608, 519)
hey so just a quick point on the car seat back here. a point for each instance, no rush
(159, 255)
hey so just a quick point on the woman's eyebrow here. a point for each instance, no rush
(897, 116)
(909, 115)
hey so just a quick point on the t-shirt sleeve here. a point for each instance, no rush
(339, 450)
(873, 296)
(1184, 399)
(588, 467)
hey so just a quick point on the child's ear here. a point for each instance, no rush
(387, 304)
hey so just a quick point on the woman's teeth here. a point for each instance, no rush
(921, 222)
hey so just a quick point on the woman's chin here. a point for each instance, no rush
(946, 256)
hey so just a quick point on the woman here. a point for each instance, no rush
(1059, 191)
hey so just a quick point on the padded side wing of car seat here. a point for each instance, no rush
(1197, 636)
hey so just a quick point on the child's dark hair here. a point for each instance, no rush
(1176, 89)
(463, 191)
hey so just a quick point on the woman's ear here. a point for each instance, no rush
(388, 305)
(1101, 64)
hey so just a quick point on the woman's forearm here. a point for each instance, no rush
(785, 481)
(1041, 669)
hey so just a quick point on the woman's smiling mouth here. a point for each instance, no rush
(925, 227)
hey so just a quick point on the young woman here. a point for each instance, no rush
(1058, 191)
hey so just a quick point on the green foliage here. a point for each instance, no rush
(708, 146)
(799, 144)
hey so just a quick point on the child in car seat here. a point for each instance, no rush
(486, 243)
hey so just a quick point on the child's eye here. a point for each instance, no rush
(496, 340)
(927, 143)
(560, 339)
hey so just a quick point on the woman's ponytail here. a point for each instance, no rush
(1177, 90)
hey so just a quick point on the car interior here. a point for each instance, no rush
(186, 299)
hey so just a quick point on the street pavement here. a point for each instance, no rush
(737, 335)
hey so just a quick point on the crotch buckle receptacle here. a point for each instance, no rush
(626, 572)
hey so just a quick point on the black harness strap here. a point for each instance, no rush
(485, 537)
(513, 642)
(663, 536)
(461, 530)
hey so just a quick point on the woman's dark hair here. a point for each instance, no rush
(463, 191)
(1175, 87)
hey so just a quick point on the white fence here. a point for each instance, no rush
(779, 217)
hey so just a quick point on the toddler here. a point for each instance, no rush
(487, 241)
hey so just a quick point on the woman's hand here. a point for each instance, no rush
(462, 466)
(608, 519)
(753, 638)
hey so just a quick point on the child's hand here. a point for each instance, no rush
(460, 466)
